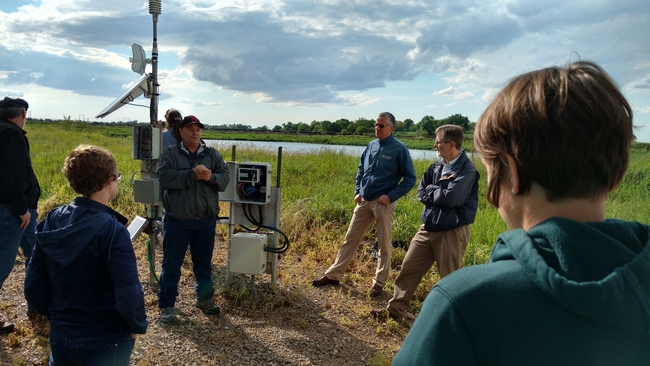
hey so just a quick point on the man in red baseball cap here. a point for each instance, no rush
(191, 174)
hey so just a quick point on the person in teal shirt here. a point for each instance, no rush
(565, 286)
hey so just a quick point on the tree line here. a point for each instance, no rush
(361, 126)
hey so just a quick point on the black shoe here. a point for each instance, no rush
(168, 315)
(383, 314)
(208, 307)
(324, 281)
(6, 328)
(375, 290)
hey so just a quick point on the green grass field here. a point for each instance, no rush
(317, 200)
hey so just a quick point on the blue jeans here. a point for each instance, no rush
(10, 236)
(175, 243)
(93, 351)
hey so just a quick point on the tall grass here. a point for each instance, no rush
(317, 199)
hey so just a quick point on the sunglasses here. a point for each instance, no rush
(380, 125)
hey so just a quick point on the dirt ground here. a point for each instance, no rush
(296, 324)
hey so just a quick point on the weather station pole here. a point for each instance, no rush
(155, 8)
(154, 209)
(147, 142)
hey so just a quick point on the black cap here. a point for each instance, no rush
(11, 103)
(191, 120)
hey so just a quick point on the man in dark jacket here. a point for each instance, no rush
(83, 274)
(19, 189)
(449, 192)
(192, 175)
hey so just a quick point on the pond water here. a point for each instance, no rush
(298, 147)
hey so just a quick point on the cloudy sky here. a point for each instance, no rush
(271, 62)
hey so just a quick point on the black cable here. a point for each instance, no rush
(285, 245)
(249, 217)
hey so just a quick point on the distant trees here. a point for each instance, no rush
(426, 127)
(289, 127)
(458, 120)
(428, 124)
(303, 127)
(406, 126)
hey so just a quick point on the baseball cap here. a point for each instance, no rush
(190, 120)
(11, 103)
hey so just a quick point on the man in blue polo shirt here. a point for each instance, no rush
(385, 174)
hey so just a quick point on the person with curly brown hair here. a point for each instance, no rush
(83, 274)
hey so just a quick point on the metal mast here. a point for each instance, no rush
(155, 8)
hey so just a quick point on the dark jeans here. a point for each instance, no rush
(10, 237)
(112, 350)
(175, 243)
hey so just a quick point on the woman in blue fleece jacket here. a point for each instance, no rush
(565, 286)
(83, 274)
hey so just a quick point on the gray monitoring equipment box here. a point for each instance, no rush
(250, 182)
(146, 191)
(247, 253)
(147, 142)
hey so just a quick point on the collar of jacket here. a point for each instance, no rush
(202, 146)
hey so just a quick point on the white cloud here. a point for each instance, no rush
(447, 91)
(326, 57)
(198, 103)
(464, 95)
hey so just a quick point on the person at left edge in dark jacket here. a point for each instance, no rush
(192, 174)
(449, 192)
(19, 190)
(83, 274)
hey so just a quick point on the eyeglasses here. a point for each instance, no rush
(440, 142)
(380, 125)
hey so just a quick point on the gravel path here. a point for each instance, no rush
(295, 325)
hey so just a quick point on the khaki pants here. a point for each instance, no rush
(364, 214)
(446, 248)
